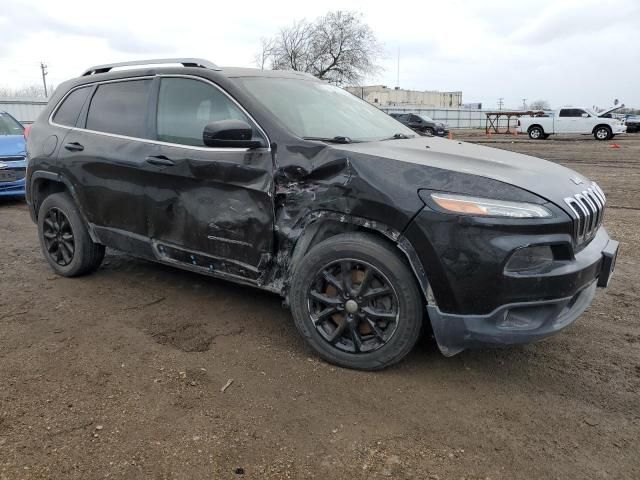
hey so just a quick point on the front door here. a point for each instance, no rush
(211, 208)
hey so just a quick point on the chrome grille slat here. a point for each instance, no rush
(588, 212)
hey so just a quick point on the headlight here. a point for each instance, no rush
(486, 207)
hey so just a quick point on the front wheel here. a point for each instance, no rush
(602, 133)
(430, 131)
(356, 302)
(64, 238)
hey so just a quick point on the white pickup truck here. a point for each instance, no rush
(573, 121)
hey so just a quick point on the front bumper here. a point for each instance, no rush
(526, 322)
(13, 188)
(618, 129)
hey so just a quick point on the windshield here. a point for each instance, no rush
(319, 110)
(425, 118)
(9, 126)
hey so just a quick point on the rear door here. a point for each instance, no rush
(209, 207)
(104, 157)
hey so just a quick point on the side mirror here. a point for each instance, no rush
(585, 115)
(230, 134)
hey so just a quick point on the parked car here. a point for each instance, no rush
(633, 123)
(283, 182)
(574, 121)
(422, 123)
(13, 163)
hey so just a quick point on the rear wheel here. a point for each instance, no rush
(602, 133)
(536, 133)
(64, 238)
(356, 302)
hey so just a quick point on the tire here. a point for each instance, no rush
(602, 133)
(358, 333)
(536, 133)
(430, 131)
(64, 238)
(545, 136)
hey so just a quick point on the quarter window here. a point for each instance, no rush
(186, 106)
(120, 108)
(67, 113)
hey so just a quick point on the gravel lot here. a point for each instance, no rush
(119, 374)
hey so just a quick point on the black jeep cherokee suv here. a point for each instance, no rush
(280, 181)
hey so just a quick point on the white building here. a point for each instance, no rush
(383, 96)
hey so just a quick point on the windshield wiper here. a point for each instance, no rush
(399, 136)
(337, 139)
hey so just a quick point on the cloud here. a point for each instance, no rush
(563, 20)
(19, 22)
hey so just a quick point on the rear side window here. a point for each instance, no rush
(120, 108)
(186, 106)
(67, 113)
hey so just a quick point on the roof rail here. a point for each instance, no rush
(187, 62)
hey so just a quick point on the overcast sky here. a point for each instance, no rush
(579, 52)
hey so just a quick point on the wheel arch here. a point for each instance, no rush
(606, 125)
(535, 125)
(43, 184)
(321, 225)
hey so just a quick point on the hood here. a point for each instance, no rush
(545, 179)
(11, 145)
(610, 110)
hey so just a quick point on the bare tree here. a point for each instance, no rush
(26, 91)
(266, 51)
(338, 47)
(540, 105)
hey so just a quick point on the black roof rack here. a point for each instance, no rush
(187, 62)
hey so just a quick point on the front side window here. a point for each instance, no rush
(120, 108)
(68, 113)
(10, 126)
(313, 109)
(186, 106)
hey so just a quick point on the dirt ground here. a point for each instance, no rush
(119, 374)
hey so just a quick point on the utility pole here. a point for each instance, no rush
(524, 104)
(43, 67)
(500, 103)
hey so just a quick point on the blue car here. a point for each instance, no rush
(13, 162)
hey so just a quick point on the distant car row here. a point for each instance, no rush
(12, 157)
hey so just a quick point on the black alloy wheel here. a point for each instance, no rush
(353, 306)
(65, 240)
(58, 237)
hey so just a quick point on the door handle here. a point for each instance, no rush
(160, 160)
(74, 147)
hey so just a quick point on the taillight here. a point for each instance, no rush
(27, 129)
